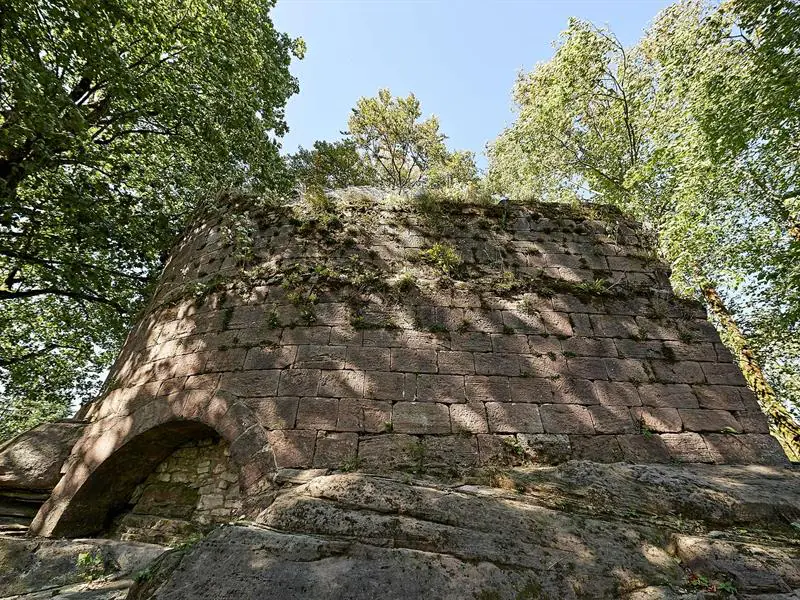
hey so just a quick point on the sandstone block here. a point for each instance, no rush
(341, 384)
(440, 388)
(646, 448)
(639, 349)
(668, 396)
(557, 323)
(587, 368)
(270, 357)
(274, 413)
(381, 385)
(699, 352)
(496, 364)
(316, 356)
(388, 452)
(363, 415)
(487, 389)
(452, 452)
(566, 418)
(497, 449)
(298, 382)
(456, 362)
(614, 326)
(305, 335)
(472, 341)
(531, 389)
(745, 449)
(545, 448)
(687, 447)
(292, 448)
(510, 417)
(612, 419)
(597, 448)
(251, 383)
(469, 417)
(662, 420)
(367, 359)
(420, 417)
(335, 450)
(723, 374)
(545, 344)
(317, 413)
(510, 343)
(752, 422)
(681, 372)
(708, 420)
(720, 397)
(627, 369)
(585, 346)
(613, 393)
(570, 390)
(413, 360)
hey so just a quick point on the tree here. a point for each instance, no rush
(115, 118)
(667, 131)
(330, 165)
(401, 150)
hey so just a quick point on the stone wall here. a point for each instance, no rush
(189, 492)
(554, 336)
(367, 332)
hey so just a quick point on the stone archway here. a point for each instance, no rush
(117, 452)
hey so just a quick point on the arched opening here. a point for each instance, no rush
(107, 492)
(188, 493)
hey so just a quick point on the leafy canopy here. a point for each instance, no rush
(115, 117)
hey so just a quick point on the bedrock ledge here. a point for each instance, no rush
(576, 530)
(579, 530)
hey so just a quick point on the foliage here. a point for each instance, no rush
(402, 150)
(693, 131)
(442, 257)
(330, 165)
(115, 117)
(91, 565)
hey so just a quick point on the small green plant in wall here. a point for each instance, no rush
(442, 257)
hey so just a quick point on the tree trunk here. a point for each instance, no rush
(783, 426)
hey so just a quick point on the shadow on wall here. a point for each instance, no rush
(363, 337)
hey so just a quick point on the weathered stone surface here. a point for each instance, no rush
(33, 460)
(557, 535)
(49, 566)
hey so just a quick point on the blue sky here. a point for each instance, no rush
(459, 57)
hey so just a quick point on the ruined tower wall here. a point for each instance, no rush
(371, 333)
